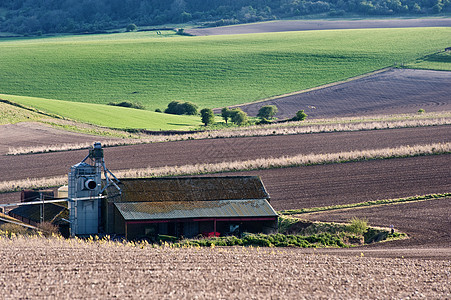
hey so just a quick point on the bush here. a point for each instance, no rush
(131, 27)
(238, 116)
(300, 116)
(10, 228)
(158, 110)
(421, 111)
(267, 112)
(128, 104)
(181, 108)
(357, 226)
(48, 229)
(207, 116)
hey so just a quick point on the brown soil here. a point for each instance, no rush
(57, 269)
(299, 25)
(37, 134)
(217, 150)
(335, 184)
(427, 223)
(390, 92)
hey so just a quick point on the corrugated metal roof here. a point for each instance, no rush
(189, 189)
(195, 209)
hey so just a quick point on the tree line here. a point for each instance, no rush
(79, 16)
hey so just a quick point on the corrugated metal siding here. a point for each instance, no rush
(33, 212)
(195, 209)
(190, 189)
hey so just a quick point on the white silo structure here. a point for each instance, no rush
(84, 192)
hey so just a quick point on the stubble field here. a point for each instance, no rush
(37, 268)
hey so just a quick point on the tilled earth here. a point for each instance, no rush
(390, 92)
(219, 150)
(300, 25)
(57, 269)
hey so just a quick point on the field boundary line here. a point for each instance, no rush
(361, 205)
(312, 89)
(254, 164)
(266, 130)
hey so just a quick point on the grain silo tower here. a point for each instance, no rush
(84, 192)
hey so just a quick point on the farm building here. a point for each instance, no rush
(188, 206)
(147, 207)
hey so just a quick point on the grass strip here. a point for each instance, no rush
(363, 204)
(291, 128)
(256, 164)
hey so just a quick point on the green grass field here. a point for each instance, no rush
(106, 115)
(439, 61)
(210, 71)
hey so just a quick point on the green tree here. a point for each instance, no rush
(181, 108)
(225, 114)
(238, 116)
(189, 108)
(300, 116)
(131, 27)
(267, 112)
(207, 116)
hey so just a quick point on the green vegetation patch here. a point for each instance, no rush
(10, 114)
(211, 71)
(440, 61)
(107, 115)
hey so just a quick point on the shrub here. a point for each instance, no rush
(207, 116)
(131, 27)
(14, 228)
(238, 116)
(48, 228)
(357, 226)
(421, 111)
(128, 104)
(300, 116)
(267, 112)
(158, 110)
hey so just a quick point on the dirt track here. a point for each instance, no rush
(300, 25)
(217, 150)
(390, 92)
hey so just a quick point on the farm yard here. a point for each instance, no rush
(416, 267)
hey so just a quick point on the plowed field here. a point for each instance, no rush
(390, 92)
(428, 223)
(57, 269)
(217, 150)
(299, 25)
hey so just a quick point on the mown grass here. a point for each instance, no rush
(212, 71)
(107, 115)
(440, 61)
